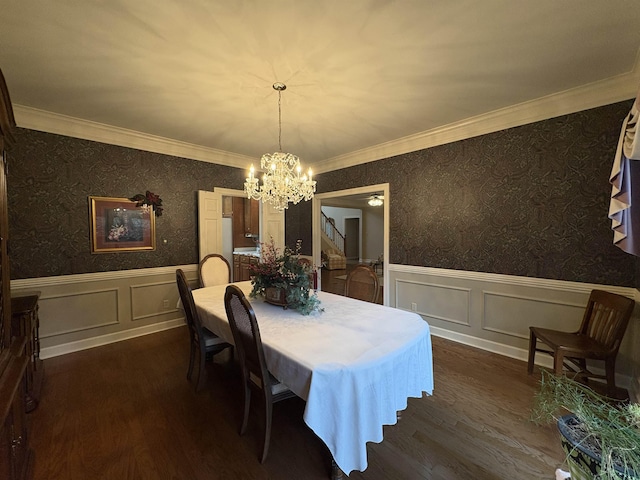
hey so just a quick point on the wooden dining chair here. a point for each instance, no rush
(362, 283)
(203, 343)
(255, 376)
(214, 269)
(605, 320)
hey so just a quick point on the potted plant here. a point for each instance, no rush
(601, 436)
(283, 279)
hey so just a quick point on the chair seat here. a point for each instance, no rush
(211, 338)
(571, 343)
(277, 388)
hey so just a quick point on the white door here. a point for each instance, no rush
(209, 223)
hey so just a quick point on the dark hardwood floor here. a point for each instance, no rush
(126, 411)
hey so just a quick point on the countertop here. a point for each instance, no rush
(251, 253)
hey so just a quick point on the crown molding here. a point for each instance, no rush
(597, 94)
(41, 120)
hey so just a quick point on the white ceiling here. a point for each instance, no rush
(365, 79)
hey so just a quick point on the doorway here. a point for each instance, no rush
(350, 198)
(211, 227)
(352, 238)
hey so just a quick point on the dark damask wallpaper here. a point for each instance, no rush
(529, 201)
(51, 178)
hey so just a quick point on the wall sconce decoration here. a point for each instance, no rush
(149, 201)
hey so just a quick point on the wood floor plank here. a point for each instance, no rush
(127, 411)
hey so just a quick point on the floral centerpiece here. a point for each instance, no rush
(283, 279)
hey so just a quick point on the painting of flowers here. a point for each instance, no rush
(119, 225)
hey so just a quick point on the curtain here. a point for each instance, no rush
(624, 209)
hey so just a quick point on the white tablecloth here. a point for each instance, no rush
(356, 363)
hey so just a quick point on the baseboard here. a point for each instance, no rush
(85, 344)
(521, 354)
(488, 345)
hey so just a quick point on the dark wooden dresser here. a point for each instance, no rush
(25, 323)
(16, 346)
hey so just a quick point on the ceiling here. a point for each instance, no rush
(366, 79)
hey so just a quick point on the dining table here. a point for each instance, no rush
(355, 363)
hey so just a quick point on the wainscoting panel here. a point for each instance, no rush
(83, 311)
(434, 301)
(153, 299)
(501, 309)
(76, 312)
(494, 312)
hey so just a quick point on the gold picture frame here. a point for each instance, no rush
(117, 225)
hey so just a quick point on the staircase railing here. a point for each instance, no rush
(329, 228)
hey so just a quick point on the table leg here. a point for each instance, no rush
(336, 473)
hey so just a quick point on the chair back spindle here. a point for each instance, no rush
(606, 318)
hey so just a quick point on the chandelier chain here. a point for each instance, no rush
(280, 120)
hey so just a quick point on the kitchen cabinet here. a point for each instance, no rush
(227, 207)
(241, 264)
(246, 222)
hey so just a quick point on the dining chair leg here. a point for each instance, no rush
(532, 351)
(558, 362)
(192, 355)
(246, 395)
(336, 472)
(202, 373)
(268, 410)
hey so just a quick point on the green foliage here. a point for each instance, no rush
(612, 427)
(288, 272)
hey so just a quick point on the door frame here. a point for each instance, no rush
(316, 230)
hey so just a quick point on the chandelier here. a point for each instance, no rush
(283, 181)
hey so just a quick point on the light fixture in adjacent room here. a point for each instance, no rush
(375, 200)
(283, 181)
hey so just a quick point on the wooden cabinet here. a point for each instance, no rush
(246, 222)
(251, 217)
(241, 263)
(16, 459)
(25, 323)
(227, 207)
(15, 454)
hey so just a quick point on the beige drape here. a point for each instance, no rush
(624, 209)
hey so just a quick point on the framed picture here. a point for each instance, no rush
(117, 225)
